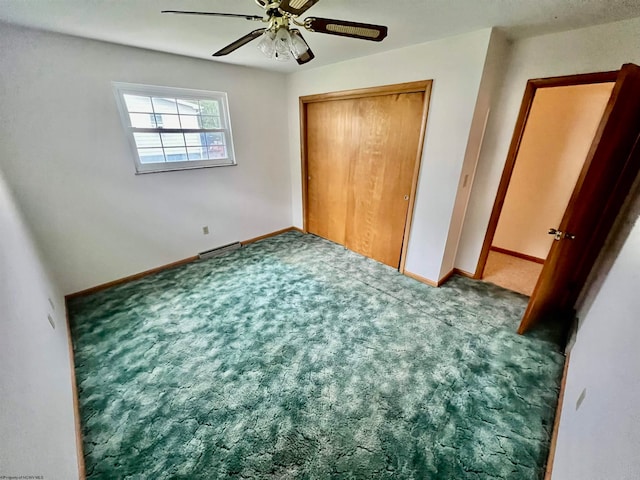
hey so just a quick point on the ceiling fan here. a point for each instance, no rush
(281, 41)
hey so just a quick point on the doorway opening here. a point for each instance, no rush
(610, 168)
(556, 138)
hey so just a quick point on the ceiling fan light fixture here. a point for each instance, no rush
(283, 44)
(267, 44)
(298, 46)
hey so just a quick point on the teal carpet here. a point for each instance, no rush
(294, 358)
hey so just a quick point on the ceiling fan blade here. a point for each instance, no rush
(240, 42)
(364, 31)
(215, 14)
(297, 7)
(300, 48)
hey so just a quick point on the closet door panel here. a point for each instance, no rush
(381, 175)
(332, 133)
(361, 155)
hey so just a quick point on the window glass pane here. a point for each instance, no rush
(151, 155)
(168, 121)
(142, 120)
(196, 153)
(158, 119)
(188, 107)
(210, 122)
(176, 154)
(217, 151)
(195, 139)
(147, 140)
(164, 105)
(190, 121)
(137, 103)
(172, 140)
(210, 107)
(215, 138)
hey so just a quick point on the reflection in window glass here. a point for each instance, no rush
(151, 155)
(147, 140)
(136, 103)
(172, 140)
(165, 105)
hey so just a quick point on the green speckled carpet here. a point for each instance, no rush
(295, 358)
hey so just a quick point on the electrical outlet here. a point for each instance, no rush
(53, 324)
(205, 230)
(53, 307)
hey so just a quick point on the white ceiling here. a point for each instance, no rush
(139, 23)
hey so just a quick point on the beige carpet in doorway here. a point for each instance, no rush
(512, 273)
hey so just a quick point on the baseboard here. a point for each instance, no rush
(74, 394)
(269, 235)
(517, 255)
(138, 276)
(463, 273)
(446, 278)
(130, 278)
(417, 277)
(556, 422)
(426, 281)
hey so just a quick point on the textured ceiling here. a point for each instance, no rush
(139, 23)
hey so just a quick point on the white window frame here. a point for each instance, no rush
(120, 89)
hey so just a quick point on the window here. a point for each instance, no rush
(175, 128)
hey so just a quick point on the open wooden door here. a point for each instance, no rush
(609, 171)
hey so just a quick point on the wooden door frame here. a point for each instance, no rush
(518, 133)
(611, 167)
(423, 86)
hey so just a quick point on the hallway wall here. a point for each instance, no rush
(558, 135)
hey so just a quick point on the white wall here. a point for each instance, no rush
(601, 439)
(495, 64)
(456, 66)
(594, 49)
(63, 150)
(37, 430)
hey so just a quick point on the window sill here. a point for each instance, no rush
(195, 167)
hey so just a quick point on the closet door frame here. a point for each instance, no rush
(411, 87)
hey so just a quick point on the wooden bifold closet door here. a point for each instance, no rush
(361, 159)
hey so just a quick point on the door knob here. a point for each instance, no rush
(406, 197)
(558, 235)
